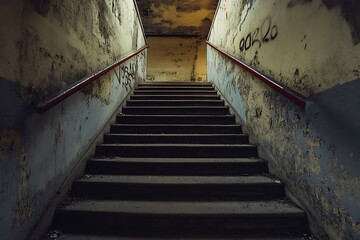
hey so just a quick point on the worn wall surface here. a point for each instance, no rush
(176, 59)
(46, 46)
(313, 47)
(177, 17)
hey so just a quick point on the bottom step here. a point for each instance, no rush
(120, 216)
(254, 236)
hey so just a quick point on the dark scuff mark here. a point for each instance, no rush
(42, 7)
(351, 12)
(293, 3)
(296, 73)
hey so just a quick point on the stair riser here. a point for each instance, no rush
(175, 169)
(169, 88)
(176, 129)
(168, 92)
(184, 84)
(174, 97)
(174, 103)
(175, 111)
(223, 139)
(177, 151)
(112, 223)
(176, 192)
(222, 120)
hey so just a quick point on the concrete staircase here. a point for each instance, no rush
(176, 165)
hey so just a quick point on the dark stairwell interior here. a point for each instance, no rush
(176, 165)
(88, 113)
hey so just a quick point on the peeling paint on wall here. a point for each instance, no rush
(50, 45)
(350, 11)
(316, 151)
(312, 42)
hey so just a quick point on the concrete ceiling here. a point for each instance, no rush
(177, 17)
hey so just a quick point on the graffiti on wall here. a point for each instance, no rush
(126, 74)
(266, 32)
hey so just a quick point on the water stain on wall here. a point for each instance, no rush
(41, 6)
(10, 141)
(350, 10)
(293, 3)
(188, 17)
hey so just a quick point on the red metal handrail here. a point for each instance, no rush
(45, 106)
(294, 96)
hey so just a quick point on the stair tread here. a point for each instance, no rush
(245, 208)
(175, 83)
(256, 236)
(179, 115)
(176, 90)
(174, 180)
(176, 125)
(177, 107)
(179, 95)
(174, 87)
(175, 135)
(180, 160)
(178, 101)
(174, 96)
(176, 145)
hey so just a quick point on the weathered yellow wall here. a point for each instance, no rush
(307, 45)
(312, 47)
(176, 59)
(46, 46)
(177, 17)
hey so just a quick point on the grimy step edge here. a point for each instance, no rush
(177, 150)
(177, 110)
(176, 166)
(176, 187)
(175, 103)
(175, 128)
(174, 97)
(177, 138)
(176, 119)
(220, 216)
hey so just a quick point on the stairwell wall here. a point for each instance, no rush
(313, 47)
(45, 47)
(177, 59)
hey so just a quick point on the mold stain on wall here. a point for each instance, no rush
(186, 17)
(49, 46)
(314, 151)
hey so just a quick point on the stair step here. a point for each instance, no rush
(118, 216)
(175, 128)
(177, 187)
(141, 87)
(176, 84)
(164, 110)
(175, 92)
(251, 235)
(174, 97)
(177, 138)
(175, 103)
(177, 150)
(176, 119)
(177, 166)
